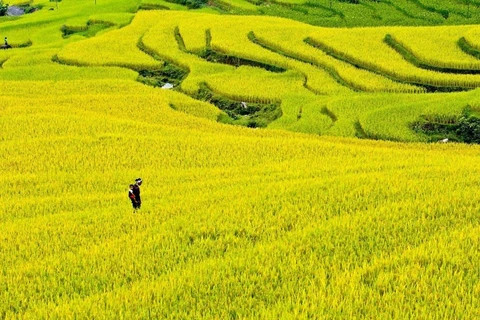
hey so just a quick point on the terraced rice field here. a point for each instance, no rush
(315, 71)
(283, 175)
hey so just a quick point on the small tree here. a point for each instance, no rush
(3, 8)
(469, 129)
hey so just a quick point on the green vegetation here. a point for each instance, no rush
(191, 4)
(465, 128)
(218, 57)
(159, 77)
(351, 13)
(91, 29)
(152, 6)
(252, 115)
(467, 48)
(3, 8)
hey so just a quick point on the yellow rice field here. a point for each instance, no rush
(299, 220)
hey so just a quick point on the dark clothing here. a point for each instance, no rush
(135, 203)
(136, 192)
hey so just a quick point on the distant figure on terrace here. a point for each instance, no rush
(6, 45)
(131, 196)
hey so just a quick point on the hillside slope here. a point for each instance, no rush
(299, 220)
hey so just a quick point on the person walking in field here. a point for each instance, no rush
(132, 197)
(136, 191)
(6, 45)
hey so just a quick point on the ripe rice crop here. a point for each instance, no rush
(302, 219)
(438, 46)
(366, 49)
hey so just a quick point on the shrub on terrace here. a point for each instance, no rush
(3, 8)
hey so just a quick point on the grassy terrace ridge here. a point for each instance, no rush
(337, 13)
(280, 181)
